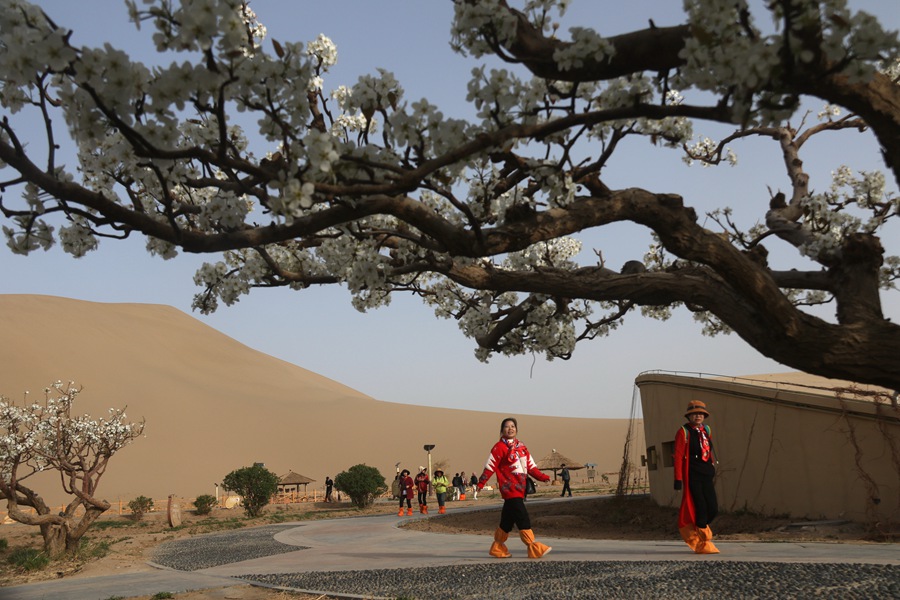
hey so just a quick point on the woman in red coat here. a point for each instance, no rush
(695, 468)
(512, 463)
(407, 491)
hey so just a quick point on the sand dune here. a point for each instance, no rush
(213, 404)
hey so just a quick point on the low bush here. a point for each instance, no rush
(139, 506)
(204, 504)
(362, 484)
(255, 485)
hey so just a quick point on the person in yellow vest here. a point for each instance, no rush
(440, 484)
(695, 468)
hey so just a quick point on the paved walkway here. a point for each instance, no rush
(377, 543)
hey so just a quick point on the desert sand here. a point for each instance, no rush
(213, 405)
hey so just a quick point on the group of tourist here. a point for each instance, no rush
(510, 461)
(406, 486)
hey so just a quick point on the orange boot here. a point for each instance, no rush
(705, 545)
(424, 509)
(400, 514)
(690, 536)
(421, 510)
(442, 510)
(535, 549)
(409, 511)
(498, 548)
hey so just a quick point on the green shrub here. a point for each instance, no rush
(204, 504)
(30, 559)
(139, 506)
(255, 485)
(161, 595)
(362, 484)
(4, 544)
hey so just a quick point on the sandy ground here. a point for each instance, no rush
(131, 543)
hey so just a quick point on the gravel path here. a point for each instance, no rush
(540, 580)
(214, 549)
(537, 580)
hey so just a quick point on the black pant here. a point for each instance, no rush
(408, 501)
(703, 493)
(514, 513)
(423, 497)
(566, 488)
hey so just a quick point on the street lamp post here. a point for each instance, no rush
(428, 449)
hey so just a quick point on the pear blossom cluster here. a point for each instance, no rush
(476, 22)
(707, 150)
(730, 52)
(586, 44)
(40, 435)
(828, 216)
(229, 25)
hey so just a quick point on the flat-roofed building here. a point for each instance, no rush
(787, 443)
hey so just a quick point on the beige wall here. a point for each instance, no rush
(783, 449)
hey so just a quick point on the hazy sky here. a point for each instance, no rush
(402, 353)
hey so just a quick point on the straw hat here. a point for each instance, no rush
(696, 406)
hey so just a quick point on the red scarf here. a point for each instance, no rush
(704, 442)
(513, 455)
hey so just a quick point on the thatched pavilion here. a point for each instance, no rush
(290, 484)
(555, 461)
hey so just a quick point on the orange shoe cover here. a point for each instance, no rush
(705, 545)
(690, 536)
(535, 549)
(498, 548)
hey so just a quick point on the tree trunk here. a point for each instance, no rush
(55, 540)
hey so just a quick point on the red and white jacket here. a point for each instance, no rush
(512, 463)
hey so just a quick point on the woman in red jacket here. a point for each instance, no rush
(512, 463)
(407, 491)
(695, 468)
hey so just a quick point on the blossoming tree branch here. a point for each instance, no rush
(359, 186)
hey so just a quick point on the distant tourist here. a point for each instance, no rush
(695, 467)
(407, 487)
(462, 485)
(564, 475)
(329, 485)
(395, 486)
(456, 481)
(511, 462)
(422, 485)
(441, 484)
(474, 483)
